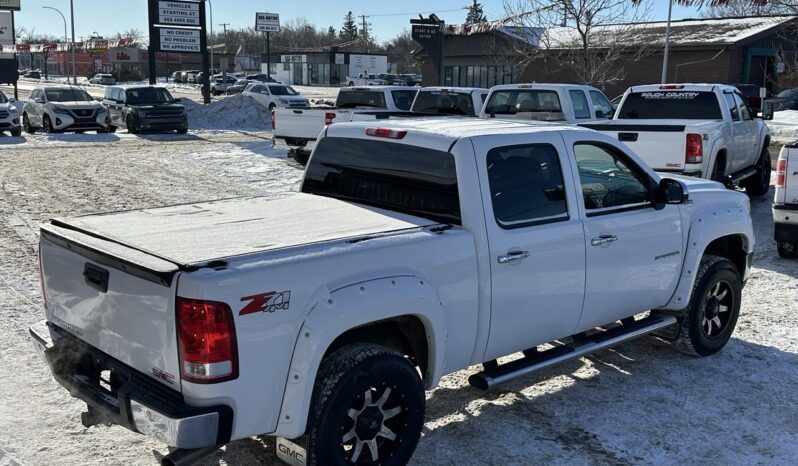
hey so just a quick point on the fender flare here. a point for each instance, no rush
(332, 313)
(704, 230)
(717, 146)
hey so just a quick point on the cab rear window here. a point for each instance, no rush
(354, 99)
(675, 105)
(389, 175)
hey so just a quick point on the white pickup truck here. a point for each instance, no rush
(702, 130)
(365, 79)
(558, 103)
(785, 201)
(413, 250)
(456, 101)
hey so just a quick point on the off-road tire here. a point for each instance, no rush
(693, 338)
(26, 124)
(787, 250)
(343, 380)
(16, 132)
(759, 184)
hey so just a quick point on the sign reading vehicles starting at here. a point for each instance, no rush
(180, 40)
(179, 13)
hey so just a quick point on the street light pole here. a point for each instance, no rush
(667, 44)
(66, 37)
(74, 65)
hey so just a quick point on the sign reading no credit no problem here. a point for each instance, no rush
(180, 40)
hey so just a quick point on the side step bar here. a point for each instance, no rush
(499, 374)
(740, 176)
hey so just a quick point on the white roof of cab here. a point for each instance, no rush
(698, 87)
(464, 90)
(540, 86)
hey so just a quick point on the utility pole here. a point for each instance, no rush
(667, 44)
(74, 62)
(365, 33)
(224, 26)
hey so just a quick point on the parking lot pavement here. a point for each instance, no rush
(640, 403)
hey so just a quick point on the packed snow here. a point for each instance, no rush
(235, 113)
(784, 126)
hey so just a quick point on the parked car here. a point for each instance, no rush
(190, 77)
(237, 87)
(751, 94)
(145, 108)
(457, 101)
(177, 77)
(785, 100)
(273, 95)
(364, 79)
(297, 130)
(411, 79)
(9, 116)
(220, 83)
(392, 79)
(33, 74)
(702, 130)
(103, 78)
(63, 108)
(413, 250)
(264, 78)
(567, 103)
(785, 204)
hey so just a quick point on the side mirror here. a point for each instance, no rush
(767, 110)
(672, 192)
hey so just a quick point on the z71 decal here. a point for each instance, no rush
(266, 302)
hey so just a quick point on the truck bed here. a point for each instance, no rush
(195, 234)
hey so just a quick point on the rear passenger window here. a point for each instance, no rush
(579, 101)
(526, 185)
(735, 113)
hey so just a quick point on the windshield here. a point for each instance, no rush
(446, 103)
(670, 105)
(512, 102)
(788, 93)
(353, 99)
(149, 95)
(68, 95)
(398, 177)
(283, 90)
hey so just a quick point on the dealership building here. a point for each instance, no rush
(323, 68)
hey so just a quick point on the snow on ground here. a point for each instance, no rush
(640, 403)
(784, 126)
(235, 113)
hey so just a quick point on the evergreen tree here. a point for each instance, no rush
(331, 33)
(349, 29)
(475, 14)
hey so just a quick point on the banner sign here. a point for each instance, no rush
(180, 40)
(179, 13)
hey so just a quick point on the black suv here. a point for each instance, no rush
(145, 108)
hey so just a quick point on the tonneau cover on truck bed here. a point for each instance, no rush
(192, 234)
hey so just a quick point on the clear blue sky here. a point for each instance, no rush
(109, 16)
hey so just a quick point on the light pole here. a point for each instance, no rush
(74, 64)
(66, 37)
(208, 72)
(667, 44)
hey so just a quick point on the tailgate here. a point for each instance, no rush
(790, 155)
(662, 147)
(305, 123)
(116, 299)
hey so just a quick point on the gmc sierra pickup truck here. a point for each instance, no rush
(413, 250)
(701, 130)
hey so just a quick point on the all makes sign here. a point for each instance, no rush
(180, 40)
(179, 13)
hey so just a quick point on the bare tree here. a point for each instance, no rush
(585, 38)
(741, 8)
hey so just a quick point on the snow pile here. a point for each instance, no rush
(236, 113)
(784, 125)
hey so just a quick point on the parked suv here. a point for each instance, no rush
(785, 205)
(63, 108)
(145, 108)
(276, 95)
(103, 78)
(9, 116)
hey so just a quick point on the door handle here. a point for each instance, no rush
(603, 239)
(513, 256)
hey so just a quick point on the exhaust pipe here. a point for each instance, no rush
(187, 457)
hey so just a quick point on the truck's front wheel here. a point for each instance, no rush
(368, 408)
(714, 307)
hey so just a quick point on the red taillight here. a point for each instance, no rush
(386, 133)
(672, 86)
(694, 153)
(781, 172)
(274, 121)
(328, 118)
(207, 341)
(41, 278)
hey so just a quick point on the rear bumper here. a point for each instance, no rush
(785, 217)
(127, 398)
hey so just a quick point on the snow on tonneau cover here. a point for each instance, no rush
(109, 278)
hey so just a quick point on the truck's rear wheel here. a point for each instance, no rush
(713, 310)
(787, 250)
(368, 408)
(759, 184)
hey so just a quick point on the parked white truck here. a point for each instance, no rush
(785, 202)
(557, 103)
(413, 250)
(702, 130)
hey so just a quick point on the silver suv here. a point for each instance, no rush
(63, 108)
